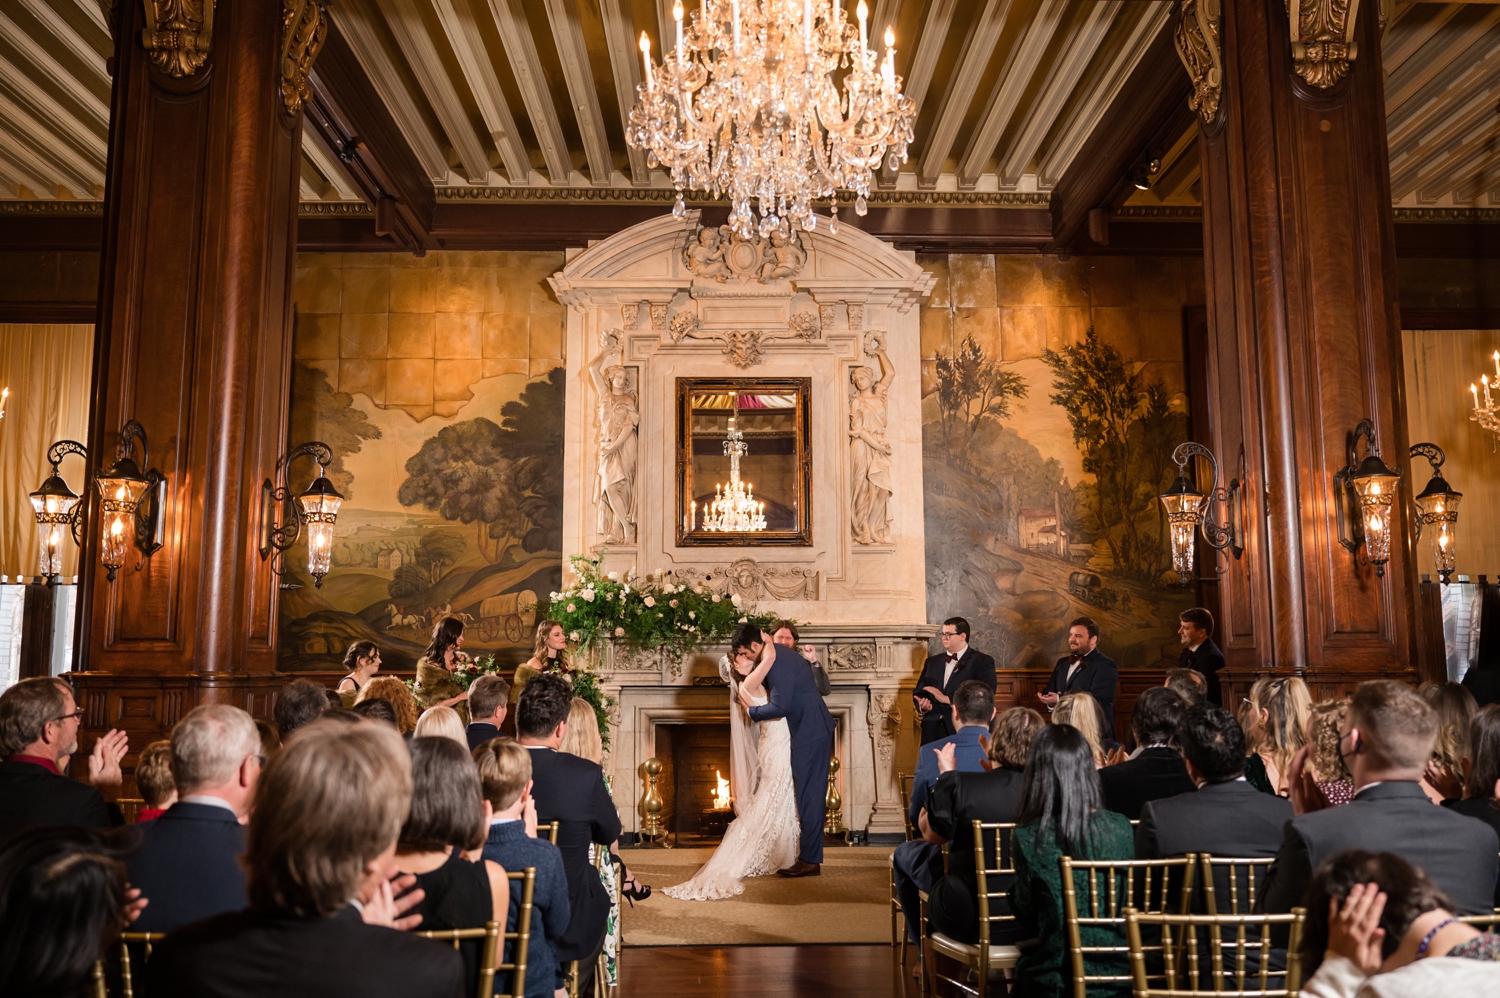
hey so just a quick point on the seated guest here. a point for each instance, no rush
(62, 903)
(394, 691)
(335, 700)
(38, 735)
(1188, 684)
(571, 791)
(1199, 653)
(188, 861)
(918, 863)
(1277, 715)
(1155, 769)
(1061, 813)
(505, 776)
(1085, 669)
(1482, 786)
(298, 704)
(1455, 707)
(153, 777)
(270, 738)
(441, 722)
(1082, 712)
(958, 800)
(1386, 739)
(942, 674)
(322, 837)
(1225, 816)
(372, 710)
(447, 819)
(488, 697)
(1381, 929)
(1324, 761)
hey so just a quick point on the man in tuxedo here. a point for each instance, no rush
(794, 695)
(1195, 631)
(571, 790)
(187, 864)
(1224, 816)
(1085, 669)
(1386, 740)
(942, 674)
(488, 697)
(38, 735)
(1155, 769)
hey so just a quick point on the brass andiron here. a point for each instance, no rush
(651, 830)
(834, 804)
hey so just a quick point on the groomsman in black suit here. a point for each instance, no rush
(943, 674)
(1195, 630)
(1085, 670)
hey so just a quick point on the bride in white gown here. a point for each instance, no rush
(763, 837)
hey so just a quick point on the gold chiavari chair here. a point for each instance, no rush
(550, 829)
(1113, 886)
(521, 937)
(904, 782)
(145, 940)
(1484, 923)
(487, 956)
(991, 864)
(130, 807)
(1248, 981)
(1232, 883)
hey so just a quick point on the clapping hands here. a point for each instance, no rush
(104, 760)
(387, 903)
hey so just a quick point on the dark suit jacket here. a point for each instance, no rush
(938, 722)
(1223, 819)
(958, 800)
(187, 865)
(251, 954)
(571, 789)
(31, 796)
(480, 732)
(968, 757)
(1155, 773)
(1097, 676)
(794, 695)
(1458, 853)
(1208, 660)
(1485, 810)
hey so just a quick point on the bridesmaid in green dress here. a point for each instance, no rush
(1061, 813)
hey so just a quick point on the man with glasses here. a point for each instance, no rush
(39, 723)
(943, 674)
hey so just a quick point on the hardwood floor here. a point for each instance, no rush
(764, 972)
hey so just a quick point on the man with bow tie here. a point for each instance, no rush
(1085, 669)
(943, 674)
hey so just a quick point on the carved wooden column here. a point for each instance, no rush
(1304, 339)
(194, 342)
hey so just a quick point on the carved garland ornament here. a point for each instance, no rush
(749, 580)
(720, 255)
(177, 35)
(745, 347)
(304, 27)
(1197, 42)
(1323, 39)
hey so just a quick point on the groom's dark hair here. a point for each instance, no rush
(744, 636)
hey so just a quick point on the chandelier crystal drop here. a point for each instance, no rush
(747, 105)
(734, 509)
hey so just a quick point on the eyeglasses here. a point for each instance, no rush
(949, 634)
(67, 717)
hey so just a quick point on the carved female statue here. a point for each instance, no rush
(869, 452)
(619, 415)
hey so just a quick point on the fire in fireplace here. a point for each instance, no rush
(694, 782)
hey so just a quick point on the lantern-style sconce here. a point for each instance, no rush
(57, 505)
(1437, 509)
(317, 509)
(1364, 496)
(1190, 512)
(130, 502)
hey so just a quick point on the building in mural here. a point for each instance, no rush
(438, 382)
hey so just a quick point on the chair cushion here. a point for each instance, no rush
(1000, 956)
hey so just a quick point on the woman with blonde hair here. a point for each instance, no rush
(1455, 707)
(1324, 761)
(394, 691)
(1278, 714)
(1082, 711)
(441, 722)
(549, 651)
(582, 737)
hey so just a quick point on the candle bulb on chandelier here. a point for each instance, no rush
(888, 68)
(734, 23)
(646, 61)
(864, 40)
(807, 25)
(677, 16)
(1475, 392)
(1497, 367)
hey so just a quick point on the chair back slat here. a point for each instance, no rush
(521, 937)
(994, 876)
(904, 784)
(550, 829)
(490, 933)
(145, 940)
(1266, 980)
(1114, 886)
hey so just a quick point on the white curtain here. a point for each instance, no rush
(48, 369)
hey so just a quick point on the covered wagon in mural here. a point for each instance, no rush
(510, 614)
(1089, 588)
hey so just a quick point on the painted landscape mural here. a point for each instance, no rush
(438, 383)
(1053, 395)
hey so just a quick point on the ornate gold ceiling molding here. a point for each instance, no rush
(347, 209)
(1183, 213)
(1323, 43)
(1197, 43)
(304, 26)
(665, 195)
(1161, 213)
(51, 207)
(177, 35)
(1468, 215)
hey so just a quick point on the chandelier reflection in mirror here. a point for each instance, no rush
(1190, 511)
(746, 105)
(734, 509)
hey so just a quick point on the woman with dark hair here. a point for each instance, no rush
(62, 902)
(1482, 786)
(436, 686)
(363, 661)
(448, 818)
(549, 653)
(1061, 813)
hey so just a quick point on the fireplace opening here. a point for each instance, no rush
(694, 758)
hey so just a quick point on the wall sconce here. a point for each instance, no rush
(317, 508)
(131, 502)
(57, 504)
(1437, 507)
(1371, 487)
(1190, 511)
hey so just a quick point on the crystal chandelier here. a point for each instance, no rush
(1487, 416)
(747, 106)
(734, 509)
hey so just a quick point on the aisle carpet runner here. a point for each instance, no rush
(847, 904)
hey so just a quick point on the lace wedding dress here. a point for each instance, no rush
(763, 839)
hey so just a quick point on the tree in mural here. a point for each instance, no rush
(1125, 428)
(972, 388)
(409, 580)
(437, 550)
(320, 413)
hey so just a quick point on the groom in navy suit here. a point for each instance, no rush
(794, 695)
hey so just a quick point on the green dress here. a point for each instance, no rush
(436, 684)
(1045, 970)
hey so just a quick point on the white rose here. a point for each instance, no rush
(650, 601)
(673, 604)
(744, 620)
(735, 599)
(572, 608)
(619, 632)
(554, 596)
(692, 615)
(717, 597)
(588, 595)
(573, 636)
(614, 576)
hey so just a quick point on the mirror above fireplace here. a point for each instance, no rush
(744, 469)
